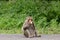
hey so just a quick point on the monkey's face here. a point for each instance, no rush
(30, 21)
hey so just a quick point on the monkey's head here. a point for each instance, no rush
(30, 20)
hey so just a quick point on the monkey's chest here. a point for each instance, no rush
(31, 27)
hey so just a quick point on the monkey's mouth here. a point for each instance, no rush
(31, 22)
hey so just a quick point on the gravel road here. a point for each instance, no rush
(21, 37)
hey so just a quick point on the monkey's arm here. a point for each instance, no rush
(36, 33)
(34, 30)
(25, 27)
(33, 26)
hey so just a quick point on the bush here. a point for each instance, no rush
(46, 14)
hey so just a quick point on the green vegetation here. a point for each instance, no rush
(46, 15)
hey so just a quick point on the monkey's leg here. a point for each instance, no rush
(25, 33)
(37, 35)
(29, 34)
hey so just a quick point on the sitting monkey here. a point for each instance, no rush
(29, 28)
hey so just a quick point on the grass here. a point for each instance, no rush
(39, 31)
(45, 14)
(13, 31)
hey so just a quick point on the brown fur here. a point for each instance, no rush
(29, 28)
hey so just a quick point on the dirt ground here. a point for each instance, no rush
(21, 37)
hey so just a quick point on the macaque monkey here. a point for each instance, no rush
(29, 28)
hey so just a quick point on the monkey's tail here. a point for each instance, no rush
(38, 36)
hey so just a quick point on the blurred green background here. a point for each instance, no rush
(45, 13)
